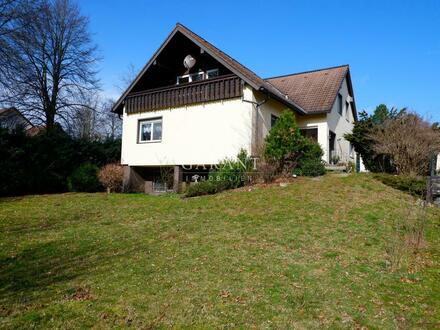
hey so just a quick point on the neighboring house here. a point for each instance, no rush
(12, 119)
(194, 105)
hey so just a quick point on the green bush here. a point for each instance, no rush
(207, 187)
(310, 160)
(416, 186)
(41, 164)
(233, 173)
(230, 174)
(84, 179)
(284, 141)
(310, 167)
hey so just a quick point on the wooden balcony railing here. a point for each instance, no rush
(213, 89)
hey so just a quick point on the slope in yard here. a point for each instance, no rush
(314, 254)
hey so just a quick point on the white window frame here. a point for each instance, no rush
(151, 121)
(190, 76)
(209, 71)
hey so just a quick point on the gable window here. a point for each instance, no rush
(150, 130)
(192, 77)
(339, 104)
(183, 79)
(273, 120)
(211, 73)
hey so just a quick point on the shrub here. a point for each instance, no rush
(310, 167)
(268, 171)
(207, 187)
(409, 140)
(111, 176)
(230, 174)
(234, 173)
(42, 163)
(413, 185)
(284, 142)
(310, 160)
(84, 179)
(364, 145)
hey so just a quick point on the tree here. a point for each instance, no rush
(49, 66)
(409, 140)
(284, 141)
(110, 122)
(362, 142)
(12, 14)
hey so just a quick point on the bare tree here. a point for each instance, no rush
(110, 125)
(409, 140)
(84, 120)
(126, 78)
(50, 63)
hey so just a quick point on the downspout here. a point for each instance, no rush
(256, 106)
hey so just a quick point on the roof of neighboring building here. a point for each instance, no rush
(315, 91)
(13, 117)
(9, 112)
(307, 93)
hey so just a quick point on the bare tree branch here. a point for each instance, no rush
(49, 65)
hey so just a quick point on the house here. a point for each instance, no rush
(12, 119)
(193, 105)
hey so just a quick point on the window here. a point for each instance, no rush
(339, 104)
(350, 149)
(311, 133)
(196, 76)
(183, 79)
(150, 130)
(211, 73)
(192, 77)
(347, 110)
(273, 120)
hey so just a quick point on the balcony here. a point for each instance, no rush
(214, 89)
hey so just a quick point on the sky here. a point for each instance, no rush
(392, 47)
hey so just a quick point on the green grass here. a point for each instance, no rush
(309, 255)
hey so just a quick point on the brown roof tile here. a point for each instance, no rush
(313, 91)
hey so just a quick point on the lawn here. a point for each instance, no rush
(314, 254)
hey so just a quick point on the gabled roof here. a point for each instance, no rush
(240, 70)
(315, 91)
(11, 112)
(308, 92)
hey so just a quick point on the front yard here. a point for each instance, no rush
(314, 254)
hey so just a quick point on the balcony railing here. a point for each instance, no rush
(213, 89)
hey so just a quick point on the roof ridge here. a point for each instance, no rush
(218, 49)
(309, 71)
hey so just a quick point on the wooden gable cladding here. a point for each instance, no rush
(219, 88)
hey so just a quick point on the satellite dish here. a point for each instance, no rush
(189, 62)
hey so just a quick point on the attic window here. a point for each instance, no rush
(211, 73)
(192, 77)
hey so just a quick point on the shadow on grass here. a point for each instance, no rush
(42, 266)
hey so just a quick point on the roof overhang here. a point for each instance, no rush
(250, 78)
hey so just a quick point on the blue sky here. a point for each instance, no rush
(392, 47)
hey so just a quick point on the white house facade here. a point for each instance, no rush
(192, 106)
